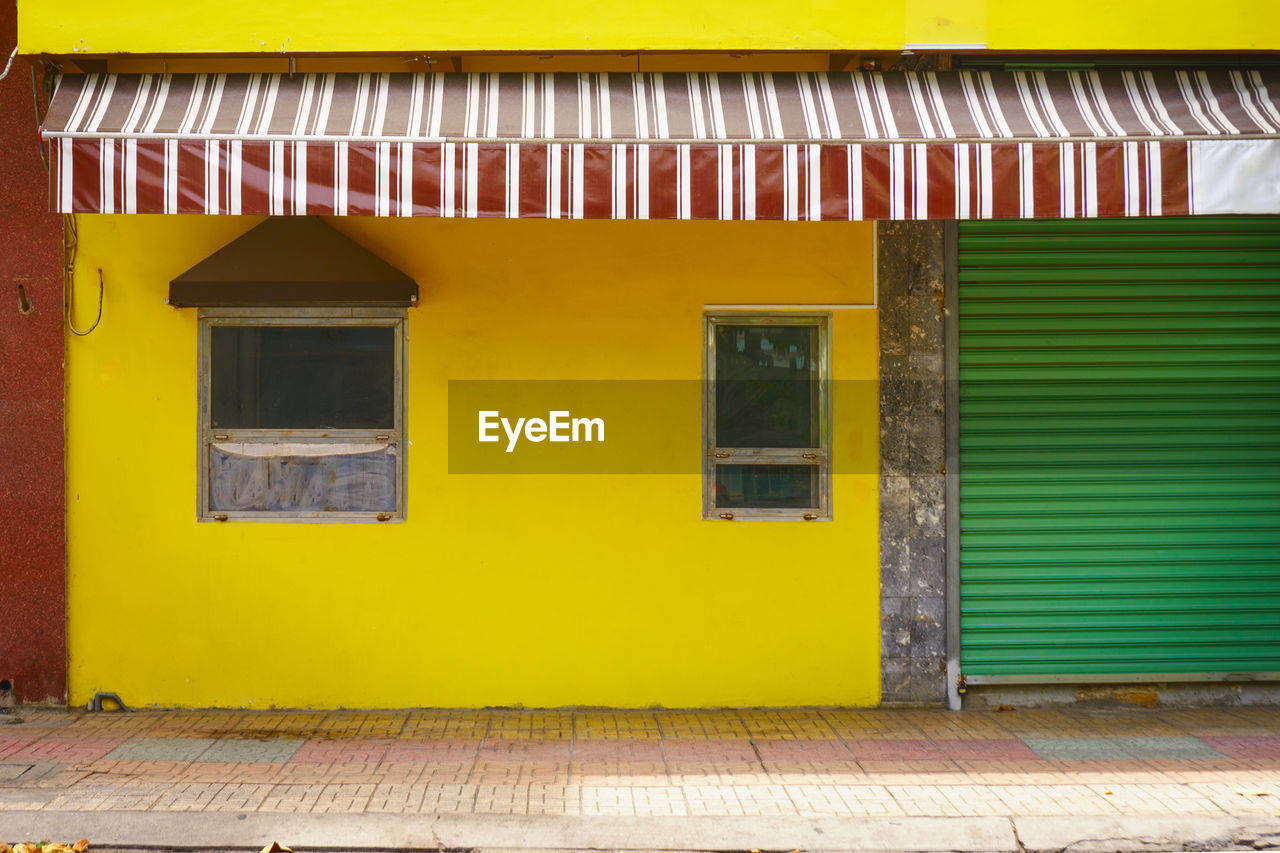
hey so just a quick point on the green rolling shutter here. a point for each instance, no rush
(1120, 447)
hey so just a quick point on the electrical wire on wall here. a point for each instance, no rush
(70, 246)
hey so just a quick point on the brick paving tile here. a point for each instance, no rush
(726, 750)
(451, 725)
(815, 772)
(798, 725)
(815, 800)
(1167, 747)
(1036, 772)
(239, 797)
(342, 751)
(60, 748)
(524, 750)
(914, 772)
(159, 749)
(397, 772)
(291, 799)
(1077, 748)
(446, 773)
(448, 799)
(10, 744)
(894, 750)
(706, 772)
(713, 801)
(241, 773)
(616, 750)
(252, 751)
(866, 725)
(343, 798)
(920, 800)
(1087, 772)
(397, 799)
(187, 796)
(1054, 800)
(947, 725)
(607, 801)
(502, 799)
(554, 799)
(152, 771)
(803, 750)
(709, 725)
(1266, 719)
(451, 749)
(985, 749)
(870, 801)
(1245, 746)
(495, 773)
(1050, 724)
(615, 725)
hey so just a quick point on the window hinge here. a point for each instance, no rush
(727, 516)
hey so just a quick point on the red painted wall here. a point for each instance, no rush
(33, 648)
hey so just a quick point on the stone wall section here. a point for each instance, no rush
(912, 463)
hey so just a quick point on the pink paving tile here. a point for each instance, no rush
(10, 745)
(341, 752)
(697, 749)
(524, 750)
(1264, 746)
(894, 750)
(68, 749)
(802, 750)
(432, 750)
(613, 750)
(1004, 749)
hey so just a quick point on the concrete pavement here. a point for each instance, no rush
(817, 779)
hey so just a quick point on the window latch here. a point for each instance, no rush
(809, 516)
(722, 454)
(808, 456)
(727, 516)
(381, 437)
(222, 436)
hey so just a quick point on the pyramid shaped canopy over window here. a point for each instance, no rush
(295, 260)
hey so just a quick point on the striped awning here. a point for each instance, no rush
(838, 146)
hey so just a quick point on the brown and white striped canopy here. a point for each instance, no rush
(951, 145)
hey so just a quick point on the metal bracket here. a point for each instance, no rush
(100, 697)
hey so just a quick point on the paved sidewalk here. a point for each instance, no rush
(768, 765)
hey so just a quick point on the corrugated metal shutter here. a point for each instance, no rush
(1120, 446)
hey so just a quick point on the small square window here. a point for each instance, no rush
(767, 417)
(301, 414)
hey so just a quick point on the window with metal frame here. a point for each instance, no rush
(766, 417)
(301, 414)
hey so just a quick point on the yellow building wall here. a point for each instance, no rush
(293, 26)
(536, 590)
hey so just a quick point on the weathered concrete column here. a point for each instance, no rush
(912, 460)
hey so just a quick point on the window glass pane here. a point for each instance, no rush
(766, 386)
(766, 486)
(302, 477)
(302, 377)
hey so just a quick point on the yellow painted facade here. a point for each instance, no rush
(302, 26)
(537, 590)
